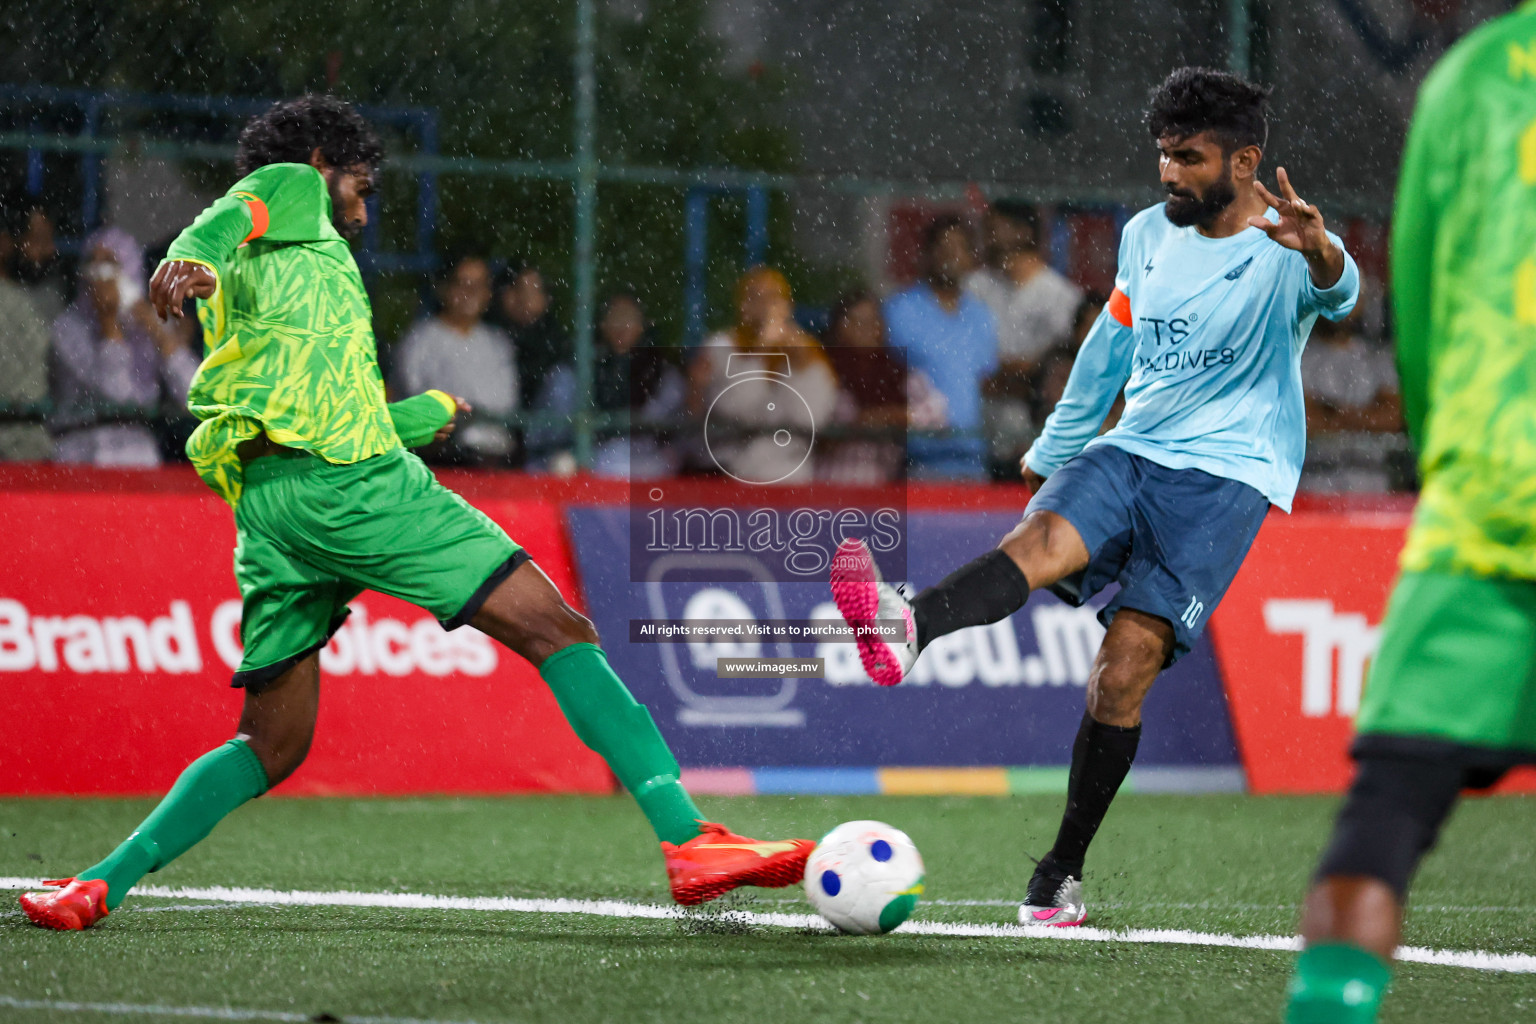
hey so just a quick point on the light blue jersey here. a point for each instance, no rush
(1205, 335)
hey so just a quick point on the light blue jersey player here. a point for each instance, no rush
(1216, 292)
(1205, 335)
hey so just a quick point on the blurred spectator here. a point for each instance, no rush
(175, 424)
(950, 337)
(1354, 414)
(23, 364)
(1349, 384)
(458, 352)
(36, 264)
(1034, 305)
(114, 363)
(743, 384)
(628, 374)
(127, 253)
(873, 397)
(541, 344)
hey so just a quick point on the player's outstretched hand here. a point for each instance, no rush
(1300, 227)
(177, 281)
(464, 409)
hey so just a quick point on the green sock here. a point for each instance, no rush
(209, 788)
(1337, 983)
(608, 719)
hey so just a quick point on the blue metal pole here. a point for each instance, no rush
(586, 221)
(371, 231)
(1239, 22)
(757, 225)
(426, 195)
(90, 170)
(34, 167)
(1061, 239)
(695, 258)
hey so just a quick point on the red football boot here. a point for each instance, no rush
(77, 905)
(718, 860)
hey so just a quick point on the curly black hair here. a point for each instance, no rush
(288, 132)
(1194, 100)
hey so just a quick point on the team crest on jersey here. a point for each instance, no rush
(1235, 274)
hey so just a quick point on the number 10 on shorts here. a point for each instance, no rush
(1192, 613)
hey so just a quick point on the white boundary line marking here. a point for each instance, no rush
(1205, 905)
(206, 1012)
(1479, 960)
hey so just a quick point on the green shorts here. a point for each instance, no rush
(1455, 676)
(314, 534)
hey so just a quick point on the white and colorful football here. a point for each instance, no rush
(865, 877)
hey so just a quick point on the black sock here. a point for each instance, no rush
(1101, 757)
(985, 590)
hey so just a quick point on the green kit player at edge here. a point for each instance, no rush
(1451, 699)
(298, 438)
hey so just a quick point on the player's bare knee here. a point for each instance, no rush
(567, 627)
(1122, 675)
(1115, 699)
(577, 626)
(1045, 548)
(560, 619)
(278, 723)
(553, 627)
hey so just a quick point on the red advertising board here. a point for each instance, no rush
(1294, 639)
(119, 628)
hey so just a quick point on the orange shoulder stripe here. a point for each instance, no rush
(1120, 307)
(260, 219)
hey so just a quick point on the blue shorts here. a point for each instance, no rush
(1172, 538)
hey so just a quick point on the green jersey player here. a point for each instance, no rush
(1451, 700)
(297, 437)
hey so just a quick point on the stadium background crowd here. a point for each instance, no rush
(970, 356)
(939, 355)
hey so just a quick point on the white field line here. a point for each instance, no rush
(1003, 902)
(202, 1012)
(1520, 963)
(1205, 905)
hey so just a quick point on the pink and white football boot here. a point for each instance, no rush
(864, 598)
(1054, 900)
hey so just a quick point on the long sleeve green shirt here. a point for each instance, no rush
(1464, 290)
(289, 345)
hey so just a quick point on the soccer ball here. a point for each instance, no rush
(864, 877)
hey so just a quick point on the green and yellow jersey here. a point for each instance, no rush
(1464, 287)
(288, 334)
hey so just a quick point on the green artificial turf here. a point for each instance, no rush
(1210, 863)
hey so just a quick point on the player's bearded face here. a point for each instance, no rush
(1186, 207)
(349, 210)
(341, 218)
